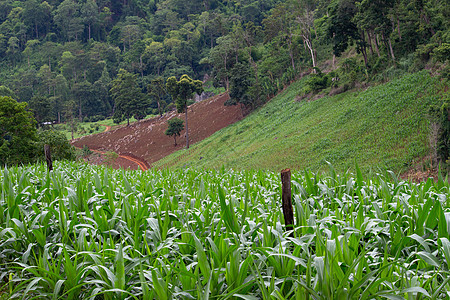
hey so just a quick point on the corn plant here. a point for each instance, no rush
(89, 232)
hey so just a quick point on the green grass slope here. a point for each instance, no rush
(383, 126)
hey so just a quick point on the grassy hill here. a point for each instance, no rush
(382, 126)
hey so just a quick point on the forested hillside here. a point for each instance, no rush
(61, 56)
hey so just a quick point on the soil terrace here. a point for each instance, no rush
(144, 142)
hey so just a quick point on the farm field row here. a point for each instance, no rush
(88, 232)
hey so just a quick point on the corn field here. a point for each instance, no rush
(86, 232)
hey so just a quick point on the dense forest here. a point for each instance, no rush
(62, 57)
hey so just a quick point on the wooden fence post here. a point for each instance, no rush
(286, 197)
(48, 157)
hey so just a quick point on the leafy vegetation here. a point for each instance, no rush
(175, 128)
(86, 232)
(17, 132)
(182, 91)
(63, 55)
(384, 126)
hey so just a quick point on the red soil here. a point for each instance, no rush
(144, 142)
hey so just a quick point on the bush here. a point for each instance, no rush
(317, 82)
(18, 132)
(60, 147)
(111, 157)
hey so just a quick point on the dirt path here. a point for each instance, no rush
(141, 164)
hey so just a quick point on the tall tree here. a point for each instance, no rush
(17, 132)
(128, 98)
(305, 18)
(67, 17)
(42, 109)
(90, 15)
(181, 91)
(34, 16)
(156, 90)
(279, 26)
(221, 58)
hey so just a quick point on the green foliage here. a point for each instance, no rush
(317, 82)
(6, 92)
(442, 53)
(64, 50)
(129, 99)
(86, 152)
(60, 147)
(240, 83)
(111, 157)
(157, 90)
(440, 119)
(175, 127)
(17, 132)
(383, 126)
(183, 90)
(41, 108)
(91, 232)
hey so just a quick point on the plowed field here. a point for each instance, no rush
(145, 140)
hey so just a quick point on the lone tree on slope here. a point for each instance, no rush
(181, 91)
(175, 128)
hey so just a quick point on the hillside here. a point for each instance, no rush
(382, 126)
(146, 140)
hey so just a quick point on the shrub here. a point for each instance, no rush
(111, 157)
(60, 147)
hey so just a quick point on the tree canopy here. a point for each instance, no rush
(181, 91)
(71, 50)
(128, 98)
(17, 132)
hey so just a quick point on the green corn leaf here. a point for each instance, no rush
(429, 258)
(202, 259)
(119, 281)
(415, 290)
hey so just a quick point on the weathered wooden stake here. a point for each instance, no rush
(286, 197)
(48, 157)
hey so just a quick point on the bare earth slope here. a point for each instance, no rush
(145, 140)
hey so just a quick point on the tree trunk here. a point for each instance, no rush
(376, 45)
(370, 42)
(89, 31)
(80, 116)
(391, 49)
(175, 140)
(291, 53)
(160, 113)
(311, 50)
(187, 128)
